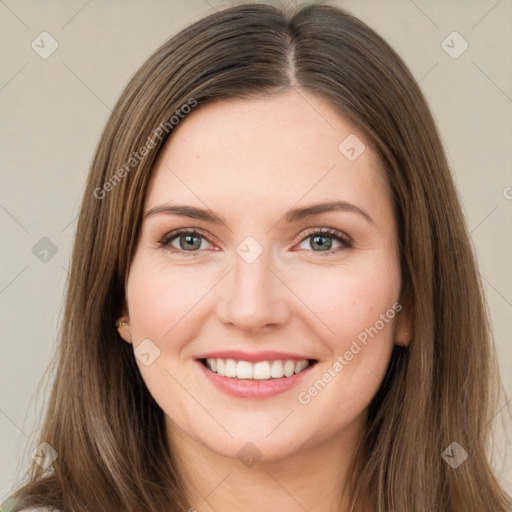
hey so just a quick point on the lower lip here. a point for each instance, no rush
(253, 388)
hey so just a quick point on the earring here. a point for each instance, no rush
(120, 325)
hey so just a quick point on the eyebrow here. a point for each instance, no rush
(291, 216)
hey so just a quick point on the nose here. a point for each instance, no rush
(252, 296)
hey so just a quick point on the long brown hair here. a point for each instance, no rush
(108, 431)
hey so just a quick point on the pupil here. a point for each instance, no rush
(188, 239)
(322, 244)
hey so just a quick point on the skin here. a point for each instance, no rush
(250, 161)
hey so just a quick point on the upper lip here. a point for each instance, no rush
(253, 357)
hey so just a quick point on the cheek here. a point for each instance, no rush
(161, 295)
(348, 300)
(360, 306)
(161, 302)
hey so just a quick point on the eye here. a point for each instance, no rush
(322, 239)
(189, 240)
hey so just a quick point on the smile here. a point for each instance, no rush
(260, 379)
(261, 370)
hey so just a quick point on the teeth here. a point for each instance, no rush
(230, 368)
(277, 370)
(243, 370)
(289, 368)
(262, 370)
(299, 366)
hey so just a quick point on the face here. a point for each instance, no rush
(267, 284)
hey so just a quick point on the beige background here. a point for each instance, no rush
(53, 111)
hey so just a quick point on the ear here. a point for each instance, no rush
(123, 324)
(404, 330)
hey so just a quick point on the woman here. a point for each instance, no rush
(273, 302)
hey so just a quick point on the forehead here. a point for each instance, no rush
(281, 148)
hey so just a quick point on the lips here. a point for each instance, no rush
(254, 375)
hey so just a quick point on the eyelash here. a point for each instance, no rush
(330, 233)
